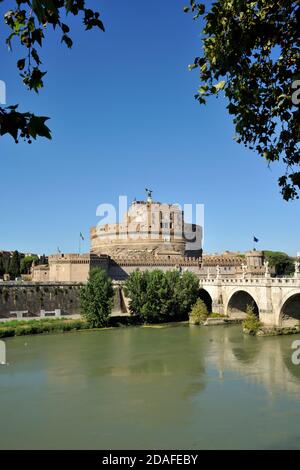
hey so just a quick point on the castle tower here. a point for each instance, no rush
(254, 258)
(149, 229)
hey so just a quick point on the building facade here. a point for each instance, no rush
(152, 235)
(149, 229)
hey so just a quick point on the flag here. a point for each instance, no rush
(256, 240)
(58, 250)
(81, 236)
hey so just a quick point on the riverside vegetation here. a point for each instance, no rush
(251, 324)
(96, 298)
(155, 297)
(159, 297)
(47, 325)
(199, 313)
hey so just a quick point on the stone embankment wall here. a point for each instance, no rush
(35, 297)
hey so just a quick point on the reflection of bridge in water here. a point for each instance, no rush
(258, 360)
(275, 300)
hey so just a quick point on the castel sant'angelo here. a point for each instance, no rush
(152, 235)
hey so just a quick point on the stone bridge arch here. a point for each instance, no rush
(207, 298)
(215, 296)
(238, 300)
(289, 311)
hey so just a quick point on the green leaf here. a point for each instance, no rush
(21, 64)
(36, 56)
(37, 127)
(67, 40)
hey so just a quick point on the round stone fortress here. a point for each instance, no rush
(152, 235)
(149, 229)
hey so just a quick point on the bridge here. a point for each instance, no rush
(275, 300)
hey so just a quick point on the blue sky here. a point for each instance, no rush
(123, 117)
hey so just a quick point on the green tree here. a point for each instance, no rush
(135, 288)
(27, 21)
(6, 260)
(14, 265)
(154, 309)
(250, 52)
(283, 263)
(199, 313)
(2, 267)
(26, 263)
(96, 298)
(157, 297)
(251, 324)
(186, 292)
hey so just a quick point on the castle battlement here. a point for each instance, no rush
(75, 258)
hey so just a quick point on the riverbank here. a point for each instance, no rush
(39, 326)
(10, 328)
(278, 331)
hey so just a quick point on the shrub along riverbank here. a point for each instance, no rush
(47, 326)
(32, 327)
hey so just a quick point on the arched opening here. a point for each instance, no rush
(240, 303)
(290, 312)
(204, 295)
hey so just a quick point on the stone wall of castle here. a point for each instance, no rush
(34, 297)
(76, 268)
(69, 268)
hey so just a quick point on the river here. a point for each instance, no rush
(170, 387)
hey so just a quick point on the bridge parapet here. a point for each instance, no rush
(276, 298)
(260, 281)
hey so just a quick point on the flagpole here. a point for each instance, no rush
(255, 240)
(81, 238)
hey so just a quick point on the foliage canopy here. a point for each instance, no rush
(252, 323)
(96, 298)
(199, 313)
(251, 53)
(27, 21)
(283, 263)
(158, 296)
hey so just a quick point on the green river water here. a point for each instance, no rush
(172, 387)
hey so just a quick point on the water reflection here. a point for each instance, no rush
(174, 387)
(260, 360)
